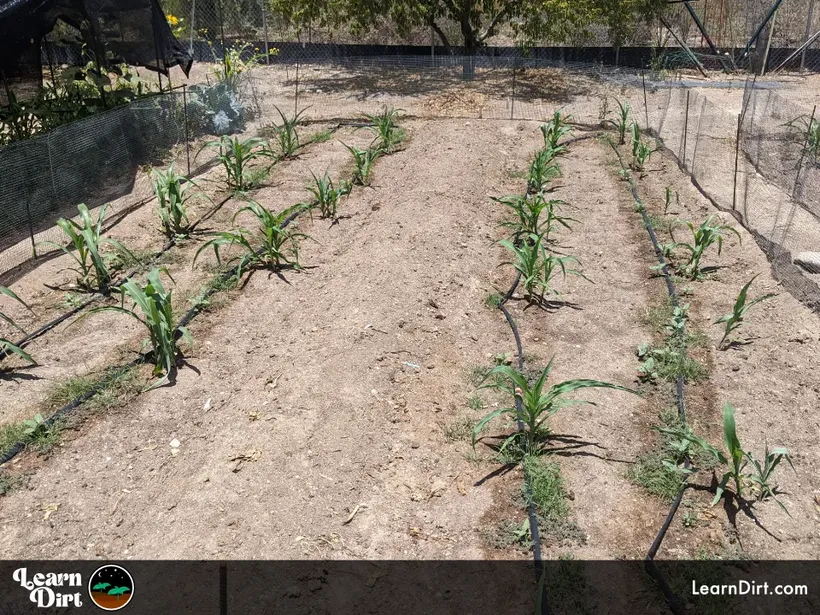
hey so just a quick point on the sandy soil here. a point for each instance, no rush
(324, 363)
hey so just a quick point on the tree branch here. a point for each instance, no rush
(440, 33)
(490, 31)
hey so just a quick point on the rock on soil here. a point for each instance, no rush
(810, 261)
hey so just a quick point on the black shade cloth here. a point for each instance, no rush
(135, 31)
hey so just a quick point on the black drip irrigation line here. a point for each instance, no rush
(18, 446)
(531, 514)
(651, 568)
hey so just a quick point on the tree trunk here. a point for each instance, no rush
(470, 45)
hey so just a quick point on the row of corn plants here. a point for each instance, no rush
(274, 245)
(681, 452)
(97, 259)
(537, 224)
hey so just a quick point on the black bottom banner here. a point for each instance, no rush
(394, 587)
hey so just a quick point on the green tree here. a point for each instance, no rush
(478, 20)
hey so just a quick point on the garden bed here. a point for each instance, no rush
(327, 413)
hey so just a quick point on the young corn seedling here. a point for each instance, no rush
(273, 246)
(326, 195)
(364, 159)
(704, 236)
(287, 138)
(235, 155)
(542, 171)
(7, 346)
(737, 459)
(86, 239)
(734, 320)
(641, 149)
(388, 134)
(554, 130)
(152, 307)
(173, 191)
(621, 122)
(528, 212)
(538, 268)
(538, 403)
(810, 133)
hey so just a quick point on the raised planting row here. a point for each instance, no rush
(529, 401)
(699, 323)
(272, 244)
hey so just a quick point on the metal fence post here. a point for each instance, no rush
(512, 102)
(645, 104)
(296, 97)
(737, 156)
(187, 136)
(686, 126)
(265, 30)
(808, 35)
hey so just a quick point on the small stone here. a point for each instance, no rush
(810, 261)
(174, 443)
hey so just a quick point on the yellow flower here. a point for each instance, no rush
(172, 20)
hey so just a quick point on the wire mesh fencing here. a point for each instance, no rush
(104, 159)
(758, 164)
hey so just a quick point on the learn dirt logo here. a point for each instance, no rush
(111, 587)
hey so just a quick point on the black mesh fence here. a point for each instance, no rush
(756, 161)
(105, 159)
(763, 169)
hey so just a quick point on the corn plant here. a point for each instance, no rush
(734, 320)
(641, 149)
(538, 403)
(388, 134)
(86, 240)
(542, 170)
(364, 159)
(538, 268)
(236, 61)
(621, 122)
(704, 236)
(326, 195)
(273, 245)
(554, 130)
(287, 138)
(173, 191)
(152, 307)
(235, 155)
(535, 215)
(7, 346)
(810, 128)
(737, 459)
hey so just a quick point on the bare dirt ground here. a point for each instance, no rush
(324, 415)
(333, 385)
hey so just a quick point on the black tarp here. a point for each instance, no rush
(134, 31)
